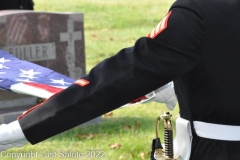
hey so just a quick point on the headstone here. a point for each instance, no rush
(52, 40)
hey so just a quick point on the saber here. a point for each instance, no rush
(167, 153)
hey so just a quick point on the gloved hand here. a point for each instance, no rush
(166, 94)
(11, 135)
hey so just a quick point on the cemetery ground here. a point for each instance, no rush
(125, 133)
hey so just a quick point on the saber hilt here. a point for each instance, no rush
(167, 153)
(168, 134)
(168, 140)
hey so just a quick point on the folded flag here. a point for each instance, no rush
(28, 78)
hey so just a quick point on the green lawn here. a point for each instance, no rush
(109, 26)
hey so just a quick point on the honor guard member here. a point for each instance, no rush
(196, 45)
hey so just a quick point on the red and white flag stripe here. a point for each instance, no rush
(35, 89)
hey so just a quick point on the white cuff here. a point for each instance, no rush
(11, 135)
(166, 94)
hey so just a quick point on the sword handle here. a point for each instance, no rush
(168, 152)
(168, 134)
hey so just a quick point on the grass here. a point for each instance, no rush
(133, 128)
(109, 25)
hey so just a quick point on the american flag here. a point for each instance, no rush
(28, 78)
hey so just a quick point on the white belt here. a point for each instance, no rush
(183, 139)
(217, 131)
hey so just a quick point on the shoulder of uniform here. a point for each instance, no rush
(195, 6)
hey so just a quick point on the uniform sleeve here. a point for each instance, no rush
(131, 73)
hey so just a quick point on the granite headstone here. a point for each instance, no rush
(52, 40)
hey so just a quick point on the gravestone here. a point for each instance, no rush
(52, 40)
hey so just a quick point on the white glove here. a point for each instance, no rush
(166, 94)
(11, 135)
